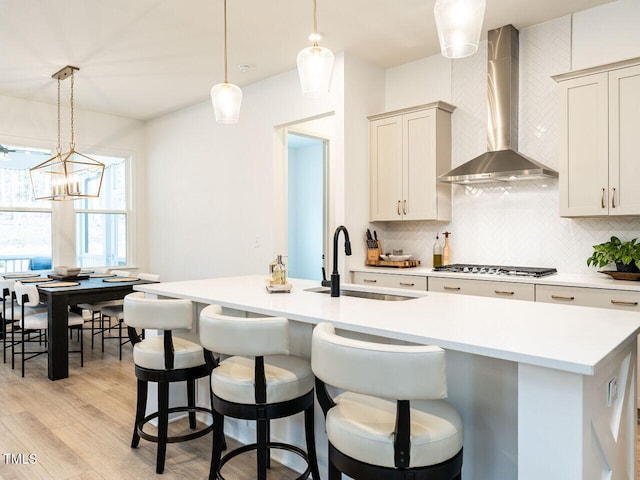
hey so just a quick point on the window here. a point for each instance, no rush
(26, 239)
(101, 223)
(94, 231)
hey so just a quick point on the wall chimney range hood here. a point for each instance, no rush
(502, 162)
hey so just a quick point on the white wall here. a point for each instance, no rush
(28, 123)
(519, 224)
(211, 186)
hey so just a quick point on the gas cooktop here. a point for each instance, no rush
(497, 270)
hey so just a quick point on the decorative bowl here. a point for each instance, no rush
(67, 271)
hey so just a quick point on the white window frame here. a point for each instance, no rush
(129, 205)
(63, 218)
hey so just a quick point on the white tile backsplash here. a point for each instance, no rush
(516, 223)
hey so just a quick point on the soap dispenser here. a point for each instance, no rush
(446, 251)
(279, 275)
(437, 252)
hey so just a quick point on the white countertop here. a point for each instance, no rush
(570, 338)
(597, 280)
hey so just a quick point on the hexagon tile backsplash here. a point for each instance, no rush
(516, 223)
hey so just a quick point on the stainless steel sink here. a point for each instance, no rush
(387, 297)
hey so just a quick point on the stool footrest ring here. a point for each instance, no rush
(254, 446)
(175, 438)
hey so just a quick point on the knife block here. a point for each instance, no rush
(373, 254)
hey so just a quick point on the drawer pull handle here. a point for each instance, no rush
(620, 302)
(503, 292)
(602, 199)
(399, 208)
(404, 207)
(562, 297)
(451, 288)
(407, 284)
(366, 280)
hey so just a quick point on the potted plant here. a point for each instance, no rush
(625, 255)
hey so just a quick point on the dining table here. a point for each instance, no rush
(61, 293)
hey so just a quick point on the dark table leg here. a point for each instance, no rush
(58, 337)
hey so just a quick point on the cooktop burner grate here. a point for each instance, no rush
(497, 270)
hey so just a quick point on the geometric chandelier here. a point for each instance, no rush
(70, 175)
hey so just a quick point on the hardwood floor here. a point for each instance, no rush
(80, 427)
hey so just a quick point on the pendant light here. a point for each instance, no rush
(459, 24)
(315, 64)
(226, 97)
(70, 175)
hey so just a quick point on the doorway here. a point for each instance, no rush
(307, 205)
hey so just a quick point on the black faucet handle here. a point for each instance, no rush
(325, 282)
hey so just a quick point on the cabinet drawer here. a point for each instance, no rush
(589, 297)
(408, 282)
(483, 288)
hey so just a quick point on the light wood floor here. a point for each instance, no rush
(80, 427)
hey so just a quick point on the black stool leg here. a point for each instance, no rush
(191, 402)
(334, 473)
(309, 431)
(218, 444)
(93, 326)
(262, 427)
(163, 424)
(141, 406)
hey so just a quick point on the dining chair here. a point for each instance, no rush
(115, 312)
(11, 315)
(95, 309)
(391, 421)
(31, 320)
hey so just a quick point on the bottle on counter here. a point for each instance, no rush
(272, 265)
(446, 251)
(437, 252)
(279, 275)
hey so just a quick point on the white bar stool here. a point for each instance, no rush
(373, 431)
(260, 382)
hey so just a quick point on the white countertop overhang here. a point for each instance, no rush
(569, 338)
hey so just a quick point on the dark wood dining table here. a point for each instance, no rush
(58, 300)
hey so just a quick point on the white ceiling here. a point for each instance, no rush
(144, 58)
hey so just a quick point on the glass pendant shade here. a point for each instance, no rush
(315, 66)
(67, 176)
(226, 99)
(459, 24)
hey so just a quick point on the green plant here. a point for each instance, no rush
(616, 251)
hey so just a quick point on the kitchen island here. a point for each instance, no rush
(545, 391)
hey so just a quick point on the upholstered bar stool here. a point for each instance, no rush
(164, 359)
(260, 381)
(391, 423)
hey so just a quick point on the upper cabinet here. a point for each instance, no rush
(408, 149)
(599, 140)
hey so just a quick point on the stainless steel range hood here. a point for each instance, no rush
(502, 162)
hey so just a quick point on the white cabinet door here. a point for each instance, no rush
(408, 149)
(624, 140)
(408, 282)
(584, 146)
(483, 288)
(385, 137)
(599, 125)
